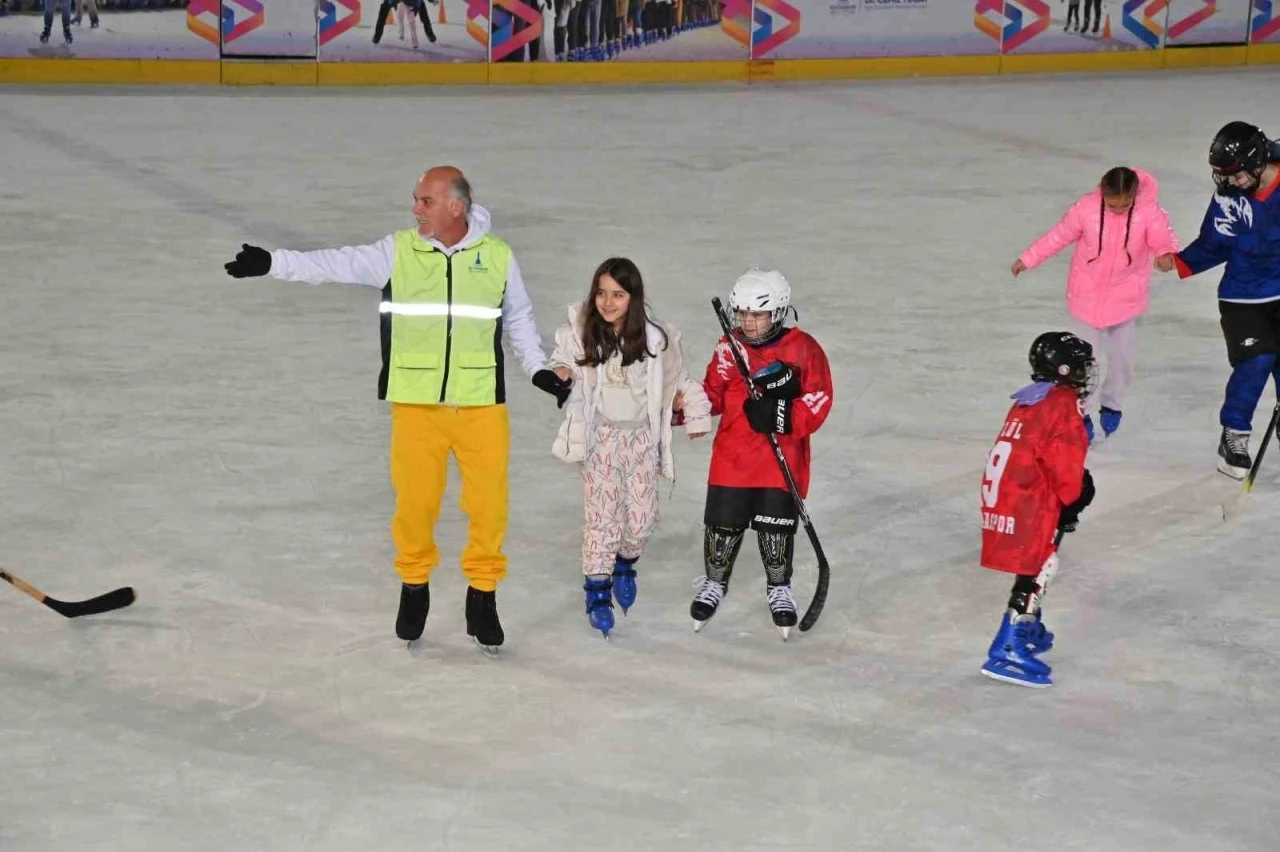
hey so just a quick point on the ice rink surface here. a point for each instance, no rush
(218, 445)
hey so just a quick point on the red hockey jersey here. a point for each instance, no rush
(1034, 469)
(742, 457)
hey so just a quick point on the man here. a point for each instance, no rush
(449, 290)
(1241, 228)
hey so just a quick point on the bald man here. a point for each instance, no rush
(450, 288)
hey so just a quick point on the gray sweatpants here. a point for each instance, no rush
(1119, 343)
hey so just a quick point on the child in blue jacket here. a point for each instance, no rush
(1242, 229)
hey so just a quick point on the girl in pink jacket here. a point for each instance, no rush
(1120, 232)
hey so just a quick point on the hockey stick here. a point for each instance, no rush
(117, 599)
(824, 569)
(1233, 506)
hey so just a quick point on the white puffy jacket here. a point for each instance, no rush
(666, 376)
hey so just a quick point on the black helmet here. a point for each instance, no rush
(1238, 147)
(1062, 358)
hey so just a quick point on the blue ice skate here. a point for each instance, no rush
(1039, 637)
(600, 603)
(624, 582)
(1109, 420)
(1011, 659)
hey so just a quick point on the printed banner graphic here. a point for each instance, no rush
(1266, 23)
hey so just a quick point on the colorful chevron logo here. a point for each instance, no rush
(735, 21)
(232, 29)
(767, 14)
(331, 24)
(1013, 23)
(988, 17)
(478, 20)
(1266, 23)
(1147, 30)
(199, 13)
(1207, 10)
(505, 39)
(204, 18)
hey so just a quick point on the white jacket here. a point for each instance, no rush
(371, 265)
(666, 375)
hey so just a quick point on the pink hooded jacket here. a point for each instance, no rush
(1104, 286)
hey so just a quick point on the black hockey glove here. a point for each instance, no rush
(778, 381)
(545, 380)
(250, 262)
(1070, 515)
(768, 416)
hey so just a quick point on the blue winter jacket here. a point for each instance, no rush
(1242, 231)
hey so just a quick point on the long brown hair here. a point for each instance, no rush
(1117, 181)
(599, 340)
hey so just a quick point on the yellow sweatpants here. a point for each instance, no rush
(422, 437)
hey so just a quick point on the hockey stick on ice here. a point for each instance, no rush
(117, 599)
(824, 570)
(1233, 506)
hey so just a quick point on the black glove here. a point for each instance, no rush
(769, 415)
(250, 262)
(548, 381)
(778, 381)
(1070, 515)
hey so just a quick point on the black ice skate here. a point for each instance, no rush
(1233, 449)
(705, 602)
(415, 601)
(782, 604)
(482, 620)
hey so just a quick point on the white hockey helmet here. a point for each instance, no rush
(759, 290)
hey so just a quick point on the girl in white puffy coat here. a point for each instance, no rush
(629, 385)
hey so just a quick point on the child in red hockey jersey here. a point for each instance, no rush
(1036, 483)
(745, 486)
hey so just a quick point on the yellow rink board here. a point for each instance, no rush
(312, 73)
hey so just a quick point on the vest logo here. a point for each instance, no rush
(478, 266)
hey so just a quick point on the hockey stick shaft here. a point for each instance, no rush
(1262, 448)
(824, 569)
(117, 599)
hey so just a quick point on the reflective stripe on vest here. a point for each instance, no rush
(429, 309)
(442, 323)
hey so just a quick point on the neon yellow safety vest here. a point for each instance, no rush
(442, 323)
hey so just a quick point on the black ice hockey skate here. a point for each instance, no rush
(415, 601)
(482, 619)
(1233, 452)
(782, 605)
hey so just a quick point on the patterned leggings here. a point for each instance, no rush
(620, 496)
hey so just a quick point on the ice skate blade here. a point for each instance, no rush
(1016, 680)
(698, 625)
(785, 631)
(1237, 473)
(489, 650)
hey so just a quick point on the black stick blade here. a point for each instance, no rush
(119, 599)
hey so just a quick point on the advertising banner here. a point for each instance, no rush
(1202, 22)
(110, 29)
(404, 30)
(1086, 26)
(1265, 24)
(614, 31)
(831, 29)
(269, 28)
